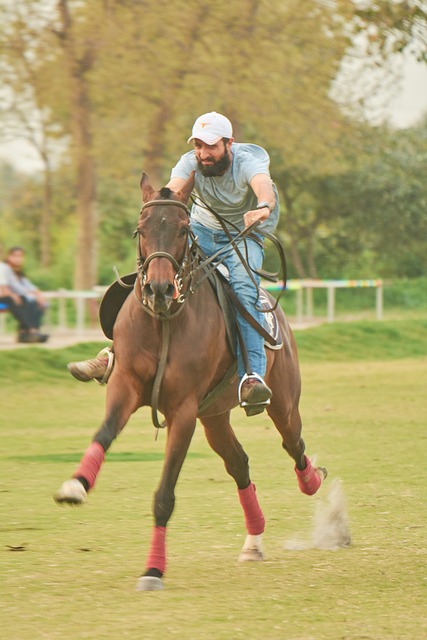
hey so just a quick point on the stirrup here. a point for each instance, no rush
(110, 353)
(258, 407)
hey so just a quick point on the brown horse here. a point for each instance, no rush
(171, 351)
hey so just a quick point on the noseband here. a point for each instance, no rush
(142, 264)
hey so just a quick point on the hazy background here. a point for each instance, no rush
(92, 93)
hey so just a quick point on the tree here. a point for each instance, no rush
(394, 27)
(24, 110)
(372, 219)
(79, 53)
(123, 82)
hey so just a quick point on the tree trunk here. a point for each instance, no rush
(78, 65)
(46, 216)
(296, 256)
(290, 229)
(312, 269)
(85, 274)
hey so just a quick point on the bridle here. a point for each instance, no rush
(179, 267)
(183, 286)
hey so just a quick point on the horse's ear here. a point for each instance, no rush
(146, 188)
(184, 193)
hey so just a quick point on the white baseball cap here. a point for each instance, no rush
(211, 127)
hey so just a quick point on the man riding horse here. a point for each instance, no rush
(232, 180)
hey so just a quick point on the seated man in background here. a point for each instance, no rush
(25, 300)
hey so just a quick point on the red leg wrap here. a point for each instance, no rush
(91, 463)
(157, 556)
(308, 480)
(254, 518)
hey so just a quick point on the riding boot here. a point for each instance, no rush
(254, 394)
(98, 369)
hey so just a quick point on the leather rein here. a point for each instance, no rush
(193, 263)
(180, 282)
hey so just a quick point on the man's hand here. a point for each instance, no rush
(41, 301)
(257, 215)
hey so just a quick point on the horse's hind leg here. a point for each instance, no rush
(122, 400)
(223, 441)
(289, 426)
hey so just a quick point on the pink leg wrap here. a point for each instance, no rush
(254, 519)
(308, 480)
(157, 556)
(91, 463)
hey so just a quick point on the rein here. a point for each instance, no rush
(142, 265)
(243, 234)
(207, 266)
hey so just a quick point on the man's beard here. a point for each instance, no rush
(218, 168)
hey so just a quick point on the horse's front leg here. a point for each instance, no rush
(122, 401)
(223, 441)
(180, 432)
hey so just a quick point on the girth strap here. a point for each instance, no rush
(159, 375)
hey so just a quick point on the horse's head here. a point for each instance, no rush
(162, 230)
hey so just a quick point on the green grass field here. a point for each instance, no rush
(70, 573)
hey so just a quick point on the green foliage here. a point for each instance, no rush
(353, 199)
(369, 219)
(363, 341)
(43, 364)
(406, 294)
(397, 26)
(338, 342)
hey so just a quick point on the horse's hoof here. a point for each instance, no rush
(149, 583)
(252, 549)
(251, 555)
(322, 472)
(71, 492)
(311, 478)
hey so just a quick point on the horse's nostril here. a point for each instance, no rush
(159, 290)
(170, 291)
(148, 290)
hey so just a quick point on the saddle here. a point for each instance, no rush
(116, 294)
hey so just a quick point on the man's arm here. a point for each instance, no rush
(5, 292)
(263, 188)
(14, 283)
(176, 184)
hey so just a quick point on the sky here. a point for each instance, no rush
(409, 105)
(411, 102)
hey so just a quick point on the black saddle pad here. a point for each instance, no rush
(112, 301)
(271, 323)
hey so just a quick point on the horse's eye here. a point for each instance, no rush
(183, 232)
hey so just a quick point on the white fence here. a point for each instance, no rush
(304, 295)
(87, 301)
(82, 301)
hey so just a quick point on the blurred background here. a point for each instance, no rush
(94, 92)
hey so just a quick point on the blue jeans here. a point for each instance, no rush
(211, 240)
